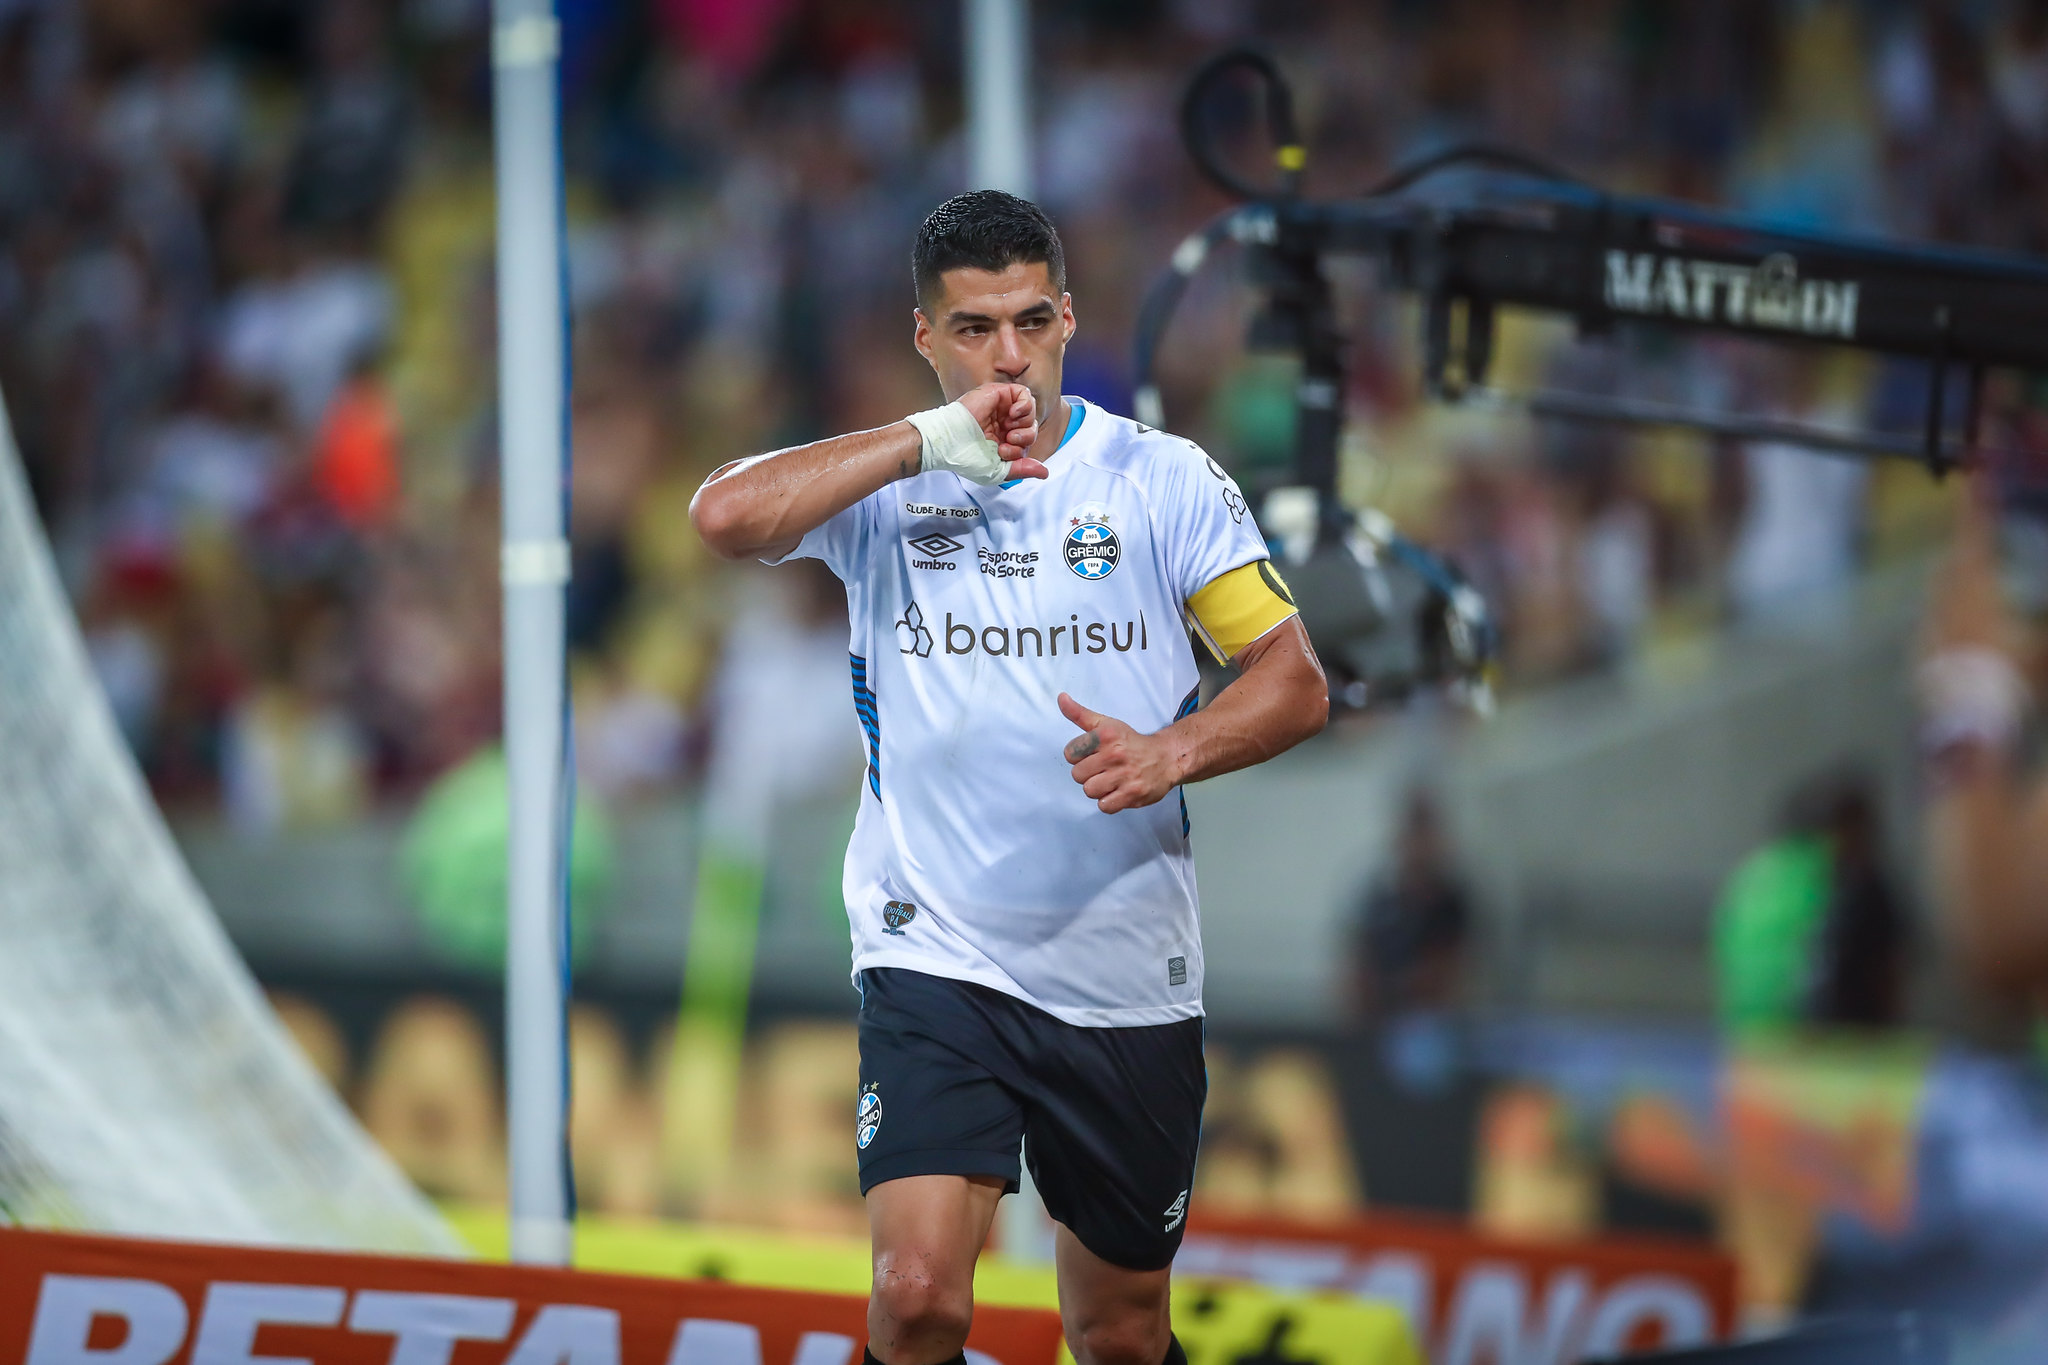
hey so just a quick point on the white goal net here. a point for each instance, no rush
(145, 1086)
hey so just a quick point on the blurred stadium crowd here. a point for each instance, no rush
(246, 313)
(247, 346)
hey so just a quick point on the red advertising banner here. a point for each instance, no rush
(1475, 1299)
(67, 1299)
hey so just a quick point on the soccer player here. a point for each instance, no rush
(1018, 569)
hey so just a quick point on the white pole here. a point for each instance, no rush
(999, 158)
(998, 110)
(535, 565)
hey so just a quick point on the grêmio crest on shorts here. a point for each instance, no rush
(975, 855)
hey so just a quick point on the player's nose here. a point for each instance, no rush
(1011, 361)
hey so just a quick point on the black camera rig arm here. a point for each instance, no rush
(1478, 228)
(1508, 231)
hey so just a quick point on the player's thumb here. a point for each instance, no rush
(1078, 713)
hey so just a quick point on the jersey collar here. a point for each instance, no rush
(1077, 412)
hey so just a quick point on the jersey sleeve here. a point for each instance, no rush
(841, 541)
(1239, 607)
(1208, 529)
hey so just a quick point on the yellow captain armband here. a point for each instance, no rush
(1238, 607)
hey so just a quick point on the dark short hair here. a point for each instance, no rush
(985, 230)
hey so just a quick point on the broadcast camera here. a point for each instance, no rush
(1389, 617)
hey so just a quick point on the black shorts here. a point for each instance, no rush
(953, 1074)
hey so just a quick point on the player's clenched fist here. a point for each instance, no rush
(982, 435)
(1118, 767)
(1008, 416)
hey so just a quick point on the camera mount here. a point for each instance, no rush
(1509, 231)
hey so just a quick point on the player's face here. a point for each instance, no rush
(998, 326)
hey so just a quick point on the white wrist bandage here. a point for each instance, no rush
(953, 441)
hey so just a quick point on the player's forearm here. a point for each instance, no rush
(1279, 699)
(761, 507)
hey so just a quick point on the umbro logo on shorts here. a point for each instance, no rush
(1175, 1211)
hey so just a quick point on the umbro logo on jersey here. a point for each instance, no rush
(1175, 1211)
(935, 546)
(896, 914)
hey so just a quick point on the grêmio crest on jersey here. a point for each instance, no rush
(1092, 549)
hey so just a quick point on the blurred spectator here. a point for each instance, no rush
(306, 330)
(355, 456)
(210, 457)
(1616, 576)
(1409, 936)
(294, 756)
(615, 431)
(1795, 550)
(786, 726)
(126, 658)
(1982, 669)
(180, 107)
(1860, 965)
(430, 655)
(352, 136)
(452, 862)
(1809, 929)
(630, 739)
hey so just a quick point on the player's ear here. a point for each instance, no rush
(1067, 317)
(921, 336)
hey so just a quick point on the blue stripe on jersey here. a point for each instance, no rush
(1077, 414)
(870, 721)
(1188, 705)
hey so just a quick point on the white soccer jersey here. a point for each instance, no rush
(976, 856)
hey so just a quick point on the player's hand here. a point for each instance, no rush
(1009, 417)
(1118, 767)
